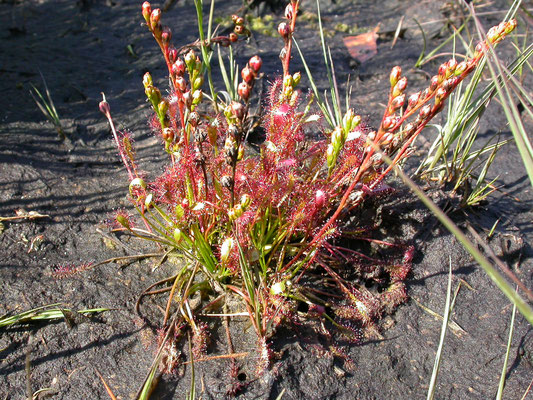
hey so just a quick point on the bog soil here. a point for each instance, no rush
(87, 47)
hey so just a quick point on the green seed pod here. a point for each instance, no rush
(198, 82)
(287, 81)
(296, 78)
(162, 107)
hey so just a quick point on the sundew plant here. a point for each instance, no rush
(266, 227)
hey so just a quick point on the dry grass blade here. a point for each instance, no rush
(456, 329)
(22, 215)
(107, 388)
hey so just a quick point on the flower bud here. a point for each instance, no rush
(194, 118)
(388, 122)
(413, 100)
(190, 59)
(245, 201)
(442, 69)
(424, 111)
(398, 102)
(452, 64)
(284, 30)
(239, 30)
(238, 210)
(320, 199)
(237, 110)
(409, 128)
(330, 155)
(461, 67)
(153, 94)
(146, 11)
(197, 97)
(493, 35)
(255, 63)
(229, 143)
(166, 35)
(510, 26)
(239, 21)
(233, 37)
(434, 83)
(387, 138)
(155, 18)
(244, 91)
(441, 93)
(347, 120)
(172, 55)
(399, 87)
(167, 134)
(178, 67)
(288, 11)
(337, 137)
(104, 106)
(395, 76)
(147, 80)
(234, 17)
(480, 47)
(181, 83)
(449, 83)
(187, 98)
(247, 75)
(225, 250)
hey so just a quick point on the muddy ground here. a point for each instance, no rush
(81, 48)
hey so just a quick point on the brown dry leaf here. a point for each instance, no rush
(362, 47)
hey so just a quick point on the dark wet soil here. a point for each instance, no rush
(81, 48)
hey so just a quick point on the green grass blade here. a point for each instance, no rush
(445, 319)
(499, 395)
(511, 112)
(328, 67)
(45, 313)
(329, 117)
